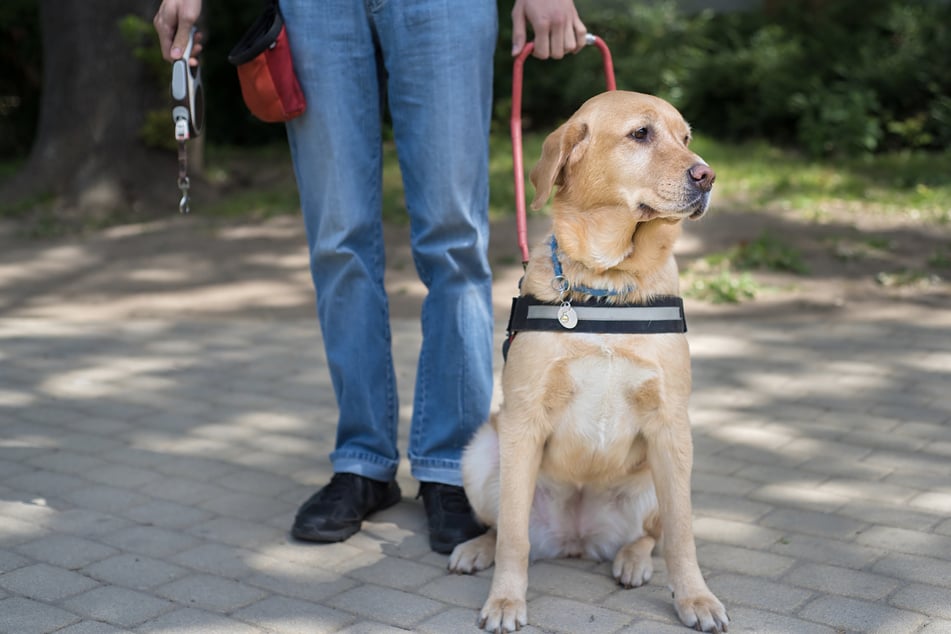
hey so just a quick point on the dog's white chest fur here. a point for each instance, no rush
(594, 436)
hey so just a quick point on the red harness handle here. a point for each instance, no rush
(515, 124)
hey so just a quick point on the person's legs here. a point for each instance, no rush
(438, 54)
(335, 145)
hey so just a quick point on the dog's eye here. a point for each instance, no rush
(640, 134)
(687, 140)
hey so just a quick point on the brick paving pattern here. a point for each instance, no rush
(150, 469)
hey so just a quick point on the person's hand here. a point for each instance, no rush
(173, 22)
(557, 27)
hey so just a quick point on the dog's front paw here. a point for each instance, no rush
(474, 555)
(702, 612)
(632, 564)
(501, 614)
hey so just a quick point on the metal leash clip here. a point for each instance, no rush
(188, 112)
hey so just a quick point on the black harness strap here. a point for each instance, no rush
(663, 314)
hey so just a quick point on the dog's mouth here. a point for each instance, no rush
(699, 206)
(693, 209)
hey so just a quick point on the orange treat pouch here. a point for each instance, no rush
(266, 71)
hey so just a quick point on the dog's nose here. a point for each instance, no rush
(702, 176)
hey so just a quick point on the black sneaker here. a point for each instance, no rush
(336, 511)
(451, 520)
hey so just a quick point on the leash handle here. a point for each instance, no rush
(188, 109)
(515, 127)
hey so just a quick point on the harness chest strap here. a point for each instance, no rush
(663, 314)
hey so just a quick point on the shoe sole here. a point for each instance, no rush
(328, 537)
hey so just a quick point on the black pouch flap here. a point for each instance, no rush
(261, 36)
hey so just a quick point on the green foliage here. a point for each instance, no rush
(724, 277)
(139, 34)
(832, 78)
(723, 287)
(940, 258)
(911, 183)
(843, 77)
(765, 252)
(906, 278)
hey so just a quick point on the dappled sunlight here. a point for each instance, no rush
(176, 267)
(820, 435)
(11, 398)
(720, 346)
(158, 276)
(106, 376)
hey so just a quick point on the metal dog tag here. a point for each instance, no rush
(567, 316)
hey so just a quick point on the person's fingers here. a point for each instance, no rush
(180, 41)
(196, 50)
(518, 30)
(164, 27)
(557, 45)
(581, 34)
(542, 43)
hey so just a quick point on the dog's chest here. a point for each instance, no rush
(596, 436)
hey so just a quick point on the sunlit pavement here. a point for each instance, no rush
(150, 467)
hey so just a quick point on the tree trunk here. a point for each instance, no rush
(87, 152)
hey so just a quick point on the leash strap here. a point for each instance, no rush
(663, 314)
(183, 182)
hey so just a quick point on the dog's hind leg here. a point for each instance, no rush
(474, 555)
(632, 564)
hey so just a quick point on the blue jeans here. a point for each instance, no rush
(431, 62)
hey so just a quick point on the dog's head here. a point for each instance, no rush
(624, 150)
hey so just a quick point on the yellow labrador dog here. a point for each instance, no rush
(590, 453)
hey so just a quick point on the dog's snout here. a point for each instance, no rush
(702, 176)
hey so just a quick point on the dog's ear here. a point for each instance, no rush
(563, 147)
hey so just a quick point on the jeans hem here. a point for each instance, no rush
(365, 465)
(443, 471)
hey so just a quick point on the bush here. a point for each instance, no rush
(828, 76)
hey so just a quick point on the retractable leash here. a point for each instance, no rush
(188, 112)
(515, 125)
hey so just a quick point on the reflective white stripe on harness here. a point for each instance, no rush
(610, 313)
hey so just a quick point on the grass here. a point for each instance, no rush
(765, 252)
(722, 287)
(915, 184)
(724, 277)
(255, 183)
(857, 248)
(940, 258)
(753, 175)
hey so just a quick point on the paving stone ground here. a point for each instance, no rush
(152, 458)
